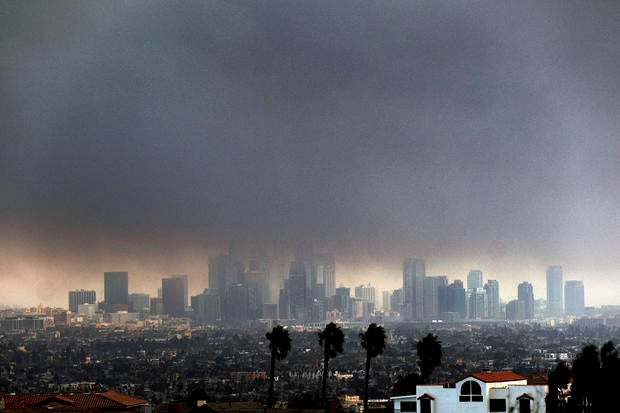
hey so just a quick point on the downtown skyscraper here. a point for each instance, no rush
(414, 272)
(116, 290)
(525, 293)
(574, 297)
(555, 301)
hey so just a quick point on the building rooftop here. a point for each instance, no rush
(496, 376)
(76, 401)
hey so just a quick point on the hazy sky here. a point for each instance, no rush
(144, 136)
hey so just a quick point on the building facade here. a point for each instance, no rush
(78, 297)
(116, 288)
(574, 298)
(414, 272)
(498, 392)
(555, 299)
(525, 293)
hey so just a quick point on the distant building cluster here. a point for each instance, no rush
(427, 298)
(303, 289)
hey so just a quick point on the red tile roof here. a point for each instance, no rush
(110, 399)
(497, 376)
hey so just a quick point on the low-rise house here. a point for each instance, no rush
(485, 392)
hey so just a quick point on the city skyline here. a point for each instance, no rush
(146, 137)
(428, 302)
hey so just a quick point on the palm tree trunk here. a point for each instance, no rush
(324, 386)
(366, 380)
(272, 372)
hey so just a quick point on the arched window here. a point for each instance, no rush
(471, 392)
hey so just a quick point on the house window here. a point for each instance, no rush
(524, 405)
(471, 392)
(408, 407)
(425, 406)
(497, 405)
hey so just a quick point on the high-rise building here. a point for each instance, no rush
(78, 297)
(396, 302)
(173, 293)
(218, 267)
(342, 301)
(206, 306)
(456, 299)
(365, 292)
(574, 297)
(324, 269)
(492, 289)
(555, 302)
(474, 280)
(478, 304)
(298, 290)
(414, 272)
(236, 300)
(432, 285)
(386, 298)
(116, 288)
(525, 293)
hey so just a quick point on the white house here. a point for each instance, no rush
(485, 392)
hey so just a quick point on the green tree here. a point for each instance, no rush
(610, 380)
(373, 340)
(429, 355)
(558, 383)
(586, 379)
(280, 345)
(332, 340)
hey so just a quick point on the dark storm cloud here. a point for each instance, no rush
(412, 126)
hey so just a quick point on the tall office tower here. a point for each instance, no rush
(492, 289)
(432, 285)
(414, 272)
(139, 302)
(555, 307)
(257, 280)
(385, 301)
(259, 269)
(342, 301)
(173, 292)
(78, 297)
(396, 301)
(574, 297)
(206, 306)
(236, 300)
(116, 288)
(474, 280)
(478, 304)
(218, 266)
(525, 293)
(298, 290)
(284, 303)
(366, 292)
(224, 270)
(324, 274)
(457, 301)
(185, 288)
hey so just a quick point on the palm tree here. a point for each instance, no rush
(373, 340)
(332, 340)
(430, 355)
(279, 344)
